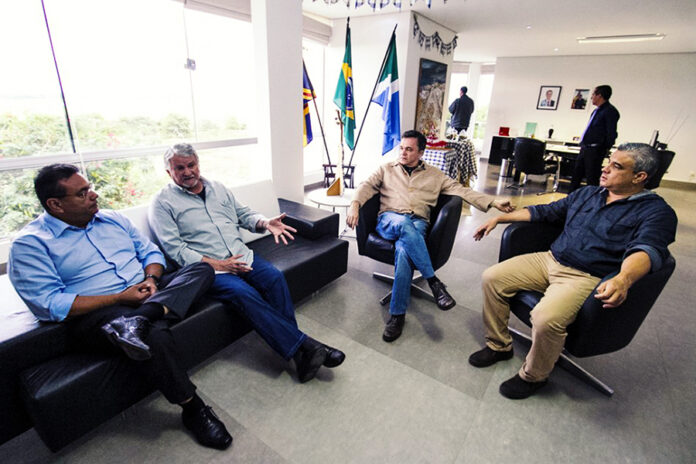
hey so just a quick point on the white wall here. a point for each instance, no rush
(650, 91)
(369, 39)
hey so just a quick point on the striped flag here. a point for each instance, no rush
(307, 96)
(387, 96)
(344, 94)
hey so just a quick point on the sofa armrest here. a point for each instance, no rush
(309, 221)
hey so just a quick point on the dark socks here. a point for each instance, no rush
(432, 280)
(152, 311)
(195, 404)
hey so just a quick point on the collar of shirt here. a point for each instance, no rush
(180, 188)
(420, 167)
(57, 227)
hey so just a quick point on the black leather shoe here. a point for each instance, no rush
(517, 388)
(308, 359)
(487, 357)
(208, 429)
(128, 334)
(334, 357)
(443, 299)
(394, 327)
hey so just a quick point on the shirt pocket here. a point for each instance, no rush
(623, 230)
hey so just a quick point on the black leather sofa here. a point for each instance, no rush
(64, 394)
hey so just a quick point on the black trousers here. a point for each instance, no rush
(178, 292)
(588, 165)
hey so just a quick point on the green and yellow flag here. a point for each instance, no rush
(344, 97)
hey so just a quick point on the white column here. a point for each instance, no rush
(277, 26)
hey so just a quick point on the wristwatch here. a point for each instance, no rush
(155, 278)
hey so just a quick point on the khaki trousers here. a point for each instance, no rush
(564, 288)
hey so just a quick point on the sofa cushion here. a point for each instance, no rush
(15, 316)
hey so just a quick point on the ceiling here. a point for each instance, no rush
(488, 29)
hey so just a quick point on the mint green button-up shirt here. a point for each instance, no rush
(189, 228)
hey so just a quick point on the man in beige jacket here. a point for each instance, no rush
(408, 189)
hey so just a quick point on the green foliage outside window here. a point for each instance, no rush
(121, 183)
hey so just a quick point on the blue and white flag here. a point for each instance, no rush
(387, 96)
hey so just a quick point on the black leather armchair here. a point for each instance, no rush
(596, 330)
(529, 158)
(444, 220)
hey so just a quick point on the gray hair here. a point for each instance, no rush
(645, 157)
(180, 149)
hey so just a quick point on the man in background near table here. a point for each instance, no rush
(408, 189)
(461, 110)
(597, 139)
(197, 219)
(95, 272)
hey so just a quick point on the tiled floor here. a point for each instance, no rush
(417, 399)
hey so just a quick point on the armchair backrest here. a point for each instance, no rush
(596, 330)
(529, 155)
(444, 221)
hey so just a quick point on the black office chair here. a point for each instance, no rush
(529, 157)
(666, 158)
(596, 330)
(444, 220)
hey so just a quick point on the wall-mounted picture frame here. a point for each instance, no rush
(432, 77)
(548, 97)
(580, 97)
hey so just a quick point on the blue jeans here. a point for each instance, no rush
(263, 298)
(410, 252)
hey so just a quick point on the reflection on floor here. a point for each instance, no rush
(417, 399)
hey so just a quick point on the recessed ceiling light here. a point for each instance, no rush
(528, 26)
(620, 38)
(555, 49)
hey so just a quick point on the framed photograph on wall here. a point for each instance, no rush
(580, 98)
(432, 77)
(548, 97)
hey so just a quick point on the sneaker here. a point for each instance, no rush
(394, 327)
(487, 357)
(517, 388)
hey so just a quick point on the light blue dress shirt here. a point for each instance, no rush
(189, 228)
(52, 262)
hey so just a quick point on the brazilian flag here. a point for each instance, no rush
(344, 97)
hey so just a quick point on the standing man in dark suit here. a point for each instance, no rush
(597, 139)
(461, 110)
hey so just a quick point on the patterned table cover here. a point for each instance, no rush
(457, 160)
(443, 159)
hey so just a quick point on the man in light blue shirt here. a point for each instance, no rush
(199, 220)
(94, 271)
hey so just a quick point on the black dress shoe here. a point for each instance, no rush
(208, 429)
(334, 357)
(308, 359)
(517, 388)
(128, 334)
(487, 357)
(443, 299)
(394, 327)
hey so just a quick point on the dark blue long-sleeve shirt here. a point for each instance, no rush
(598, 236)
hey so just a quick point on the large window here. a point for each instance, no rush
(137, 76)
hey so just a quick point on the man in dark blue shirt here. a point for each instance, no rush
(616, 227)
(597, 138)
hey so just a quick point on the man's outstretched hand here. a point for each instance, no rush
(279, 230)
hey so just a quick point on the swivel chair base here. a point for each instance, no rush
(568, 364)
(415, 289)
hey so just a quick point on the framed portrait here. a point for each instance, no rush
(580, 97)
(548, 97)
(432, 77)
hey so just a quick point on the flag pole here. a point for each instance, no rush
(314, 100)
(379, 74)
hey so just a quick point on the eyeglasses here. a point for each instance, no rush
(82, 194)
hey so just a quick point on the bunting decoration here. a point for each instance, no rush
(433, 40)
(375, 3)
